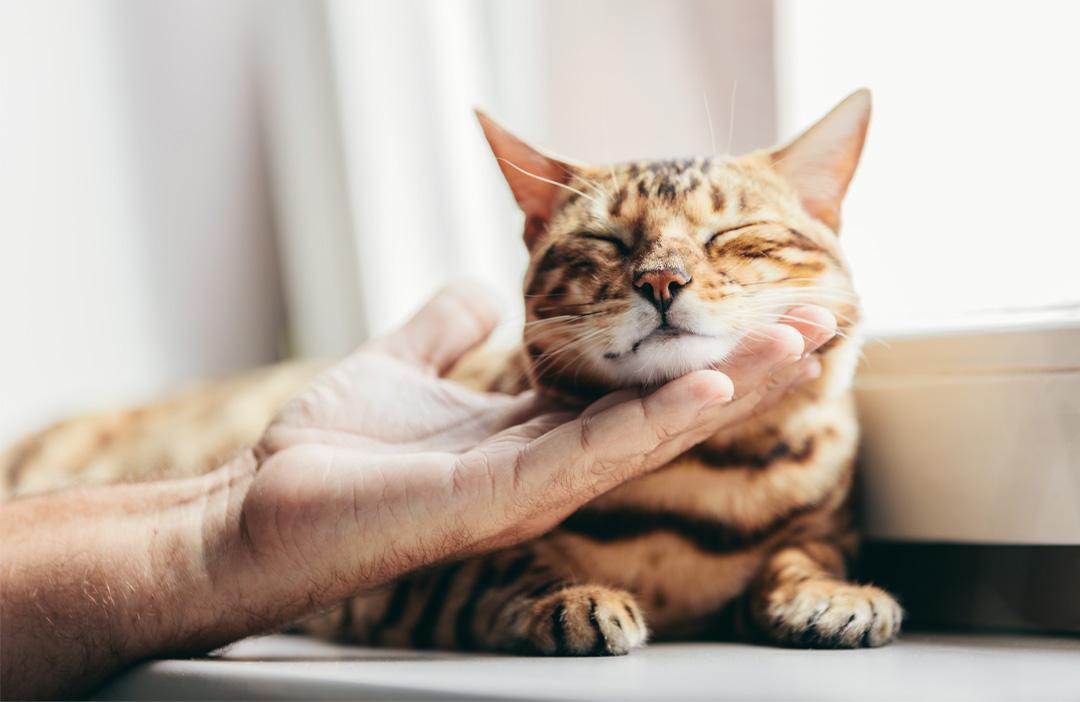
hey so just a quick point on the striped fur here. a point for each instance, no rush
(189, 433)
(745, 535)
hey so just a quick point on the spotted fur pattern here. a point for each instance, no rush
(747, 534)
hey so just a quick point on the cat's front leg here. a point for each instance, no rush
(540, 610)
(520, 600)
(581, 620)
(801, 599)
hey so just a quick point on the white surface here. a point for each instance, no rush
(971, 437)
(918, 667)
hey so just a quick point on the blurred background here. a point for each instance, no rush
(192, 187)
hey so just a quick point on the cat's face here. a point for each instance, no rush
(641, 272)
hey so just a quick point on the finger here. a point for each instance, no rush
(762, 397)
(610, 400)
(816, 325)
(595, 452)
(456, 319)
(785, 381)
(525, 407)
(775, 346)
(763, 353)
(529, 429)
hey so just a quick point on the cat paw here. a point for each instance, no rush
(585, 620)
(831, 614)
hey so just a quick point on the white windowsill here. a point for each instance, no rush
(1020, 319)
(919, 666)
(973, 434)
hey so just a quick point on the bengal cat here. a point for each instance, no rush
(638, 272)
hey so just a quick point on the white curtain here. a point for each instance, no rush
(421, 201)
(136, 247)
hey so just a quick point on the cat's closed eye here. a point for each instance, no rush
(619, 244)
(714, 239)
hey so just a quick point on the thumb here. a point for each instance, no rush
(600, 450)
(459, 317)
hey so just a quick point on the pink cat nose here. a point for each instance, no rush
(660, 286)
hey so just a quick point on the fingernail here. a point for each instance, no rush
(717, 401)
(723, 396)
(812, 368)
(794, 358)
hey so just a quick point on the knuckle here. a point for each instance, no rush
(586, 435)
(517, 470)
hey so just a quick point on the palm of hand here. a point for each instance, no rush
(379, 403)
(383, 466)
(382, 445)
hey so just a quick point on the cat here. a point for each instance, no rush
(638, 272)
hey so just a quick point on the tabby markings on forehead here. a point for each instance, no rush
(669, 180)
(676, 166)
(717, 197)
(666, 189)
(617, 203)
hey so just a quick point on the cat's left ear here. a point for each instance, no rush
(820, 162)
(534, 177)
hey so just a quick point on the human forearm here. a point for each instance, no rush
(125, 573)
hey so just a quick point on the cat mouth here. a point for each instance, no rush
(662, 333)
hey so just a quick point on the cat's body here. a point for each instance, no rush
(639, 272)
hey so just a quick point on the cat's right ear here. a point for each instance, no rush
(820, 162)
(534, 178)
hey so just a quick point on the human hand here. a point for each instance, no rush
(380, 467)
(383, 465)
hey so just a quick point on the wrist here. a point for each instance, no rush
(242, 580)
(222, 584)
(197, 569)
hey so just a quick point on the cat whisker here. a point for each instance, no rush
(547, 180)
(547, 360)
(800, 320)
(708, 120)
(565, 317)
(537, 296)
(570, 312)
(780, 280)
(587, 181)
(802, 289)
(566, 305)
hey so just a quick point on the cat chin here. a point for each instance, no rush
(658, 361)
